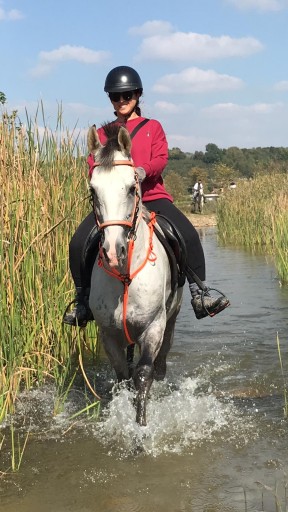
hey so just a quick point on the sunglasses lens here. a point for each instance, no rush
(116, 96)
(127, 96)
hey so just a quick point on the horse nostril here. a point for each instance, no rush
(121, 253)
(105, 254)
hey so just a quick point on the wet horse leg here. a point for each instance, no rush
(144, 372)
(160, 361)
(116, 354)
(143, 378)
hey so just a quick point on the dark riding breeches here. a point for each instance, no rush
(86, 232)
(77, 247)
(195, 253)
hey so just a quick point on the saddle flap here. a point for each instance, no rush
(174, 240)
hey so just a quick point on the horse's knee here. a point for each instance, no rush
(160, 367)
(143, 377)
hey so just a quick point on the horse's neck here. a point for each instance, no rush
(141, 243)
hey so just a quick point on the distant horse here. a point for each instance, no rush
(131, 297)
(198, 202)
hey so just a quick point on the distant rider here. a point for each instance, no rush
(197, 187)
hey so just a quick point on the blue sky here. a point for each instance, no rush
(213, 70)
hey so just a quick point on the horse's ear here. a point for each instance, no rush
(141, 173)
(124, 140)
(93, 140)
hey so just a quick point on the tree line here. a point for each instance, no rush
(218, 167)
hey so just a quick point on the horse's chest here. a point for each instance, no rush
(112, 308)
(106, 315)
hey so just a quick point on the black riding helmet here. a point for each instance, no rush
(123, 78)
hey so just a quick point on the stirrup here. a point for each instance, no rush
(205, 293)
(74, 320)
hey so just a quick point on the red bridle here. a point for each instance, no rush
(132, 222)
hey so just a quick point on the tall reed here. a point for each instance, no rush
(255, 215)
(43, 188)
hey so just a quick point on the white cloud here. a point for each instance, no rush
(261, 5)
(167, 44)
(12, 15)
(281, 86)
(188, 143)
(193, 80)
(168, 108)
(228, 124)
(232, 109)
(48, 60)
(150, 28)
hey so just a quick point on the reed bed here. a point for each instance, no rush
(43, 197)
(255, 215)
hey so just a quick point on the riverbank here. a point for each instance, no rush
(202, 220)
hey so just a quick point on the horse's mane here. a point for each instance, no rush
(106, 155)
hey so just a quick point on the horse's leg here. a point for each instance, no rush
(160, 361)
(201, 203)
(116, 354)
(130, 359)
(144, 372)
(143, 378)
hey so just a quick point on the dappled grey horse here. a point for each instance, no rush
(131, 296)
(198, 201)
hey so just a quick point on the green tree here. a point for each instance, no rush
(213, 154)
(235, 158)
(175, 185)
(223, 175)
(2, 98)
(176, 154)
(198, 173)
(198, 155)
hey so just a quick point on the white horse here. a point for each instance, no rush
(131, 297)
(198, 201)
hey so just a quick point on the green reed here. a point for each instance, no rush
(285, 388)
(280, 235)
(254, 215)
(43, 197)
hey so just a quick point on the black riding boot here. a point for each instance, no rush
(81, 313)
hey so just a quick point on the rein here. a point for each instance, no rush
(127, 278)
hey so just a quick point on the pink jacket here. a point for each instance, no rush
(150, 151)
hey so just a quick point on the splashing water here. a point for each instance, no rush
(177, 420)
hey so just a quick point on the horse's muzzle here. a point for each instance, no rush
(115, 255)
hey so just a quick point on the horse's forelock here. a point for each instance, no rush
(106, 155)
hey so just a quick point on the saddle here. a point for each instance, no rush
(175, 247)
(168, 235)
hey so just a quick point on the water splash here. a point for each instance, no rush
(181, 416)
(178, 420)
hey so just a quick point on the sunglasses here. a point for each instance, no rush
(126, 95)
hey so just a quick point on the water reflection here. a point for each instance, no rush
(215, 429)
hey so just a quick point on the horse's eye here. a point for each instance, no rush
(132, 190)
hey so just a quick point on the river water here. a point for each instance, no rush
(216, 439)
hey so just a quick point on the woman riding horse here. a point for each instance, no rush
(149, 151)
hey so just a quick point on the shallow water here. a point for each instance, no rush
(216, 438)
